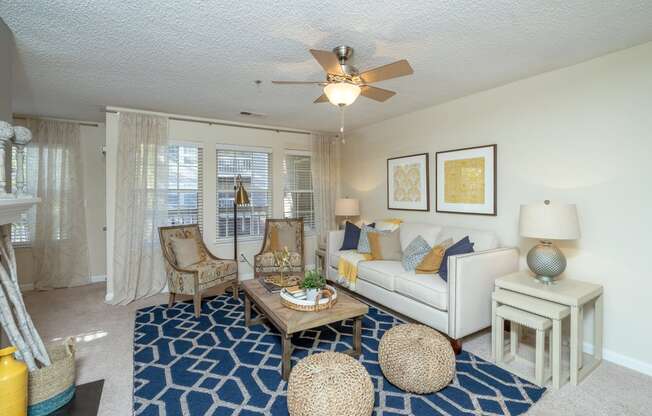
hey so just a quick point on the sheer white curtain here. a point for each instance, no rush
(55, 175)
(326, 180)
(140, 206)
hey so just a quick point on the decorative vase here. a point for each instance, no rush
(13, 384)
(311, 294)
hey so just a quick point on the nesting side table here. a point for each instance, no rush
(575, 294)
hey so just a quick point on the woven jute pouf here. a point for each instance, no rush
(330, 384)
(416, 358)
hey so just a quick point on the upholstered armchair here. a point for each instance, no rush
(191, 268)
(281, 233)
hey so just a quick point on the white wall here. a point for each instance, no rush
(6, 68)
(581, 135)
(210, 136)
(91, 141)
(6, 62)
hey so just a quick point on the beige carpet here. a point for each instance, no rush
(105, 342)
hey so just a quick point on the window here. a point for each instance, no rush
(297, 194)
(185, 173)
(22, 231)
(255, 168)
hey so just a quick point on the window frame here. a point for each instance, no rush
(270, 174)
(308, 230)
(201, 172)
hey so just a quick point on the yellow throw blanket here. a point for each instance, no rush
(347, 267)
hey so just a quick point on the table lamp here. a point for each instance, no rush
(347, 207)
(547, 222)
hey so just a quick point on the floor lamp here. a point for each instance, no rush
(240, 198)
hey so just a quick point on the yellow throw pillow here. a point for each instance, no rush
(430, 264)
(374, 245)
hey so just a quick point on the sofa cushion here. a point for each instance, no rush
(414, 253)
(411, 230)
(484, 240)
(351, 237)
(385, 245)
(425, 288)
(380, 272)
(463, 246)
(363, 242)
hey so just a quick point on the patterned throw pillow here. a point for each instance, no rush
(414, 253)
(363, 243)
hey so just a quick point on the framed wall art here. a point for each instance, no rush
(408, 187)
(466, 180)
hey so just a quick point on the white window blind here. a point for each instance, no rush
(298, 193)
(255, 168)
(185, 184)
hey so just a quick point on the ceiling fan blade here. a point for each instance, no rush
(393, 70)
(321, 99)
(299, 82)
(328, 60)
(375, 93)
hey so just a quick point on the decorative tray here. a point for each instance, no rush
(325, 300)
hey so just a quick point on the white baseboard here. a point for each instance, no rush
(99, 278)
(26, 287)
(622, 360)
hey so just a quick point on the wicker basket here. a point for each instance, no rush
(52, 387)
(325, 300)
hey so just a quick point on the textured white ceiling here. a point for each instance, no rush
(201, 57)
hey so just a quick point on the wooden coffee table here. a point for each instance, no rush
(288, 321)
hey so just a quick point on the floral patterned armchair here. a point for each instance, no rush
(281, 233)
(209, 272)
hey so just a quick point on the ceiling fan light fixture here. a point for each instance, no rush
(342, 93)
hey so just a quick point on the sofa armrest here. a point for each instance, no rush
(470, 284)
(335, 240)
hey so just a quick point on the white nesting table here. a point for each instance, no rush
(575, 294)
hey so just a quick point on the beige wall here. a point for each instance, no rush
(92, 140)
(210, 137)
(6, 63)
(581, 135)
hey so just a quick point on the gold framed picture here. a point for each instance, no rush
(408, 186)
(466, 180)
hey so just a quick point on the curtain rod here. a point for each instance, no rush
(81, 123)
(218, 123)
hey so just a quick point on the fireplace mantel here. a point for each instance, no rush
(12, 208)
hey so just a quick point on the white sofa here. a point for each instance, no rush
(458, 307)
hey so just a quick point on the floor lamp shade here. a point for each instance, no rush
(548, 222)
(347, 207)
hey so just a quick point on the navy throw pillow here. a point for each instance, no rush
(351, 237)
(463, 246)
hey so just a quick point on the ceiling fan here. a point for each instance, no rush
(344, 83)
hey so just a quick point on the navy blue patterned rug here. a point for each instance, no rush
(214, 365)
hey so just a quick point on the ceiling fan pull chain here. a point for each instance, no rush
(342, 122)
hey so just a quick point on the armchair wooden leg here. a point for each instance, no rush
(197, 303)
(171, 300)
(235, 288)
